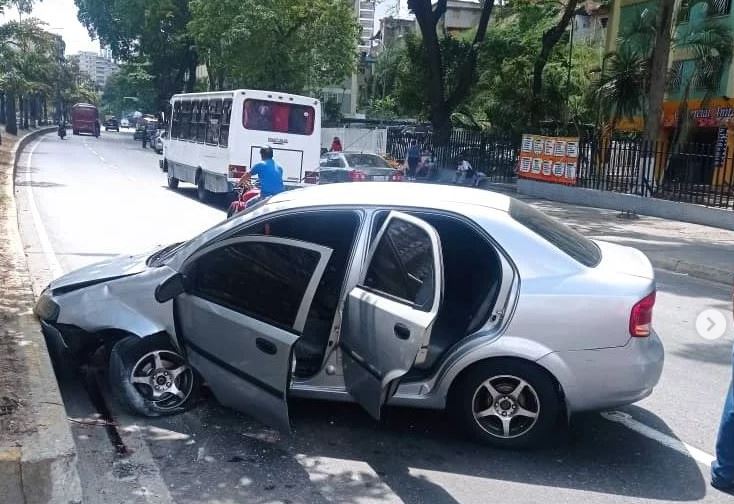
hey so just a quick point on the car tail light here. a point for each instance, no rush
(396, 177)
(236, 171)
(357, 176)
(311, 177)
(641, 317)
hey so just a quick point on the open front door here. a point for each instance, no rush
(245, 305)
(389, 315)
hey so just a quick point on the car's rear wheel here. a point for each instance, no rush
(508, 403)
(149, 377)
(172, 181)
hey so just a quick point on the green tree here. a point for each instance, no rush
(131, 85)
(150, 30)
(442, 101)
(282, 45)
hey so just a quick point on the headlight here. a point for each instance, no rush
(46, 308)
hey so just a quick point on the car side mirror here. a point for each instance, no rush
(170, 288)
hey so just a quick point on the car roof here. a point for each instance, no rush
(435, 196)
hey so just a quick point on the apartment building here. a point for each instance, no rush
(97, 66)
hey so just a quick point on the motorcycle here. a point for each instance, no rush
(62, 131)
(245, 192)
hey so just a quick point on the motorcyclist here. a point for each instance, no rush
(62, 129)
(269, 173)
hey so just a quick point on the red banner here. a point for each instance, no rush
(550, 159)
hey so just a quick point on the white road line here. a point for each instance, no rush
(664, 439)
(48, 251)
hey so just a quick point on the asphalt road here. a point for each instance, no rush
(84, 199)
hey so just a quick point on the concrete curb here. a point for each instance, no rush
(42, 467)
(654, 207)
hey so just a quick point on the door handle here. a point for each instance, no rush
(266, 346)
(402, 332)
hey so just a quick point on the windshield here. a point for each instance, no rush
(569, 241)
(366, 160)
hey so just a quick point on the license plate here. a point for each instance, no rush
(379, 178)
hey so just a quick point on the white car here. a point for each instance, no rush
(124, 123)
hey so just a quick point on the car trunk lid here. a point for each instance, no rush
(625, 260)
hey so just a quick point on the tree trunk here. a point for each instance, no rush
(442, 106)
(45, 110)
(548, 42)
(11, 125)
(192, 61)
(26, 111)
(659, 69)
(2, 107)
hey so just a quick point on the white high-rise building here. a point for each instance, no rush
(97, 67)
(348, 93)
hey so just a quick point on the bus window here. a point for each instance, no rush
(185, 120)
(176, 120)
(212, 131)
(224, 124)
(265, 115)
(194, 120)
(203, 120)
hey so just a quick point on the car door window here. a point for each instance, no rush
(263, 280)
(402, 265)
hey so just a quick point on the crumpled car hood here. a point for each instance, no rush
(110, 269)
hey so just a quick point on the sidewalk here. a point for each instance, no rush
(699, 251)
(37, 453)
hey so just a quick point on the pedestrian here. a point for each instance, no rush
(413, 158)
(722, 470)
(336, 145)
(464, 173)
(269, 173)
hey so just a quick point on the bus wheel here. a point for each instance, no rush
(172, 181)
(201, 191)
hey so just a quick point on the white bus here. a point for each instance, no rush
(214, 138)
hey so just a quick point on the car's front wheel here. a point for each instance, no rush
(149, 377)
(508, 403)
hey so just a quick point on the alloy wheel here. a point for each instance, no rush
(505, 406)
(163, 378)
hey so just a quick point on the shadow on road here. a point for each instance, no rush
(339, 452)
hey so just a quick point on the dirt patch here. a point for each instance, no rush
(15, 302)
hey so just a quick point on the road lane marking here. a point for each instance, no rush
(664, 439)
(48, 251)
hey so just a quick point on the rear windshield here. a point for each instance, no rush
(366, 160)
(569, 241)
(263, 115)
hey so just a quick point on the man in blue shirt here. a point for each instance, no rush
(269, 173)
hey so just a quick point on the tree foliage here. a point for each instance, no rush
(152, 30)
(132, 87)
(282, 45)
(442, 101)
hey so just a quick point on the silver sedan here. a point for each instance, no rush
(434, 297)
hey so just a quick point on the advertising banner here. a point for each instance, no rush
(550, 159)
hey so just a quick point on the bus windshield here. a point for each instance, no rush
(263, 115)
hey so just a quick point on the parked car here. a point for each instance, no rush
(124, 123)
(356, 167)
(424, 295)
(111, 124)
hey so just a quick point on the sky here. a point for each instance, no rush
(60, 16)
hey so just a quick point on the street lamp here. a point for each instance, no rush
(578, 11)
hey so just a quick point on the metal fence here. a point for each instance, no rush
(493, 155)
(692, 173)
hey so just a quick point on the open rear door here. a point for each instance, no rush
(390, 313)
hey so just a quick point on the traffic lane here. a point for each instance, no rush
(93, 209)
(697, 372)
(212, 454)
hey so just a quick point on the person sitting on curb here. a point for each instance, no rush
(722, 470)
